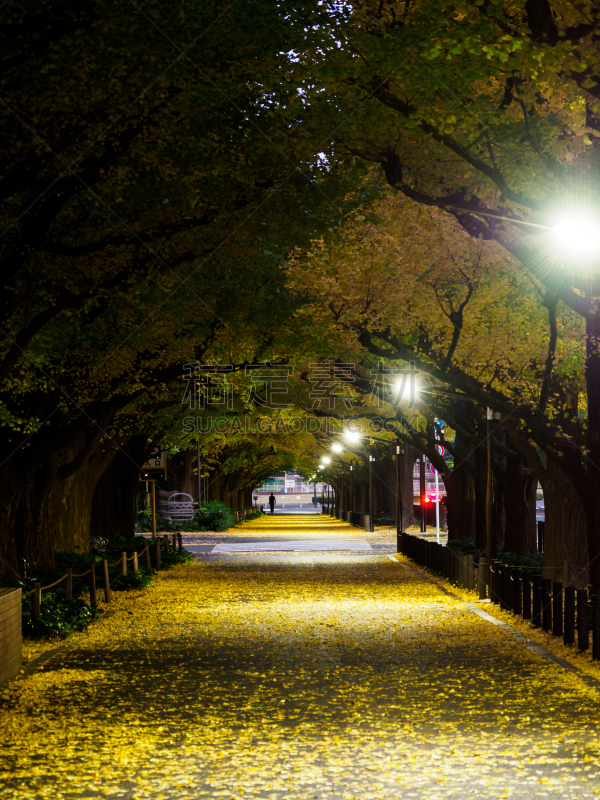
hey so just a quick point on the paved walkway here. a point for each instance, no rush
(339, 675)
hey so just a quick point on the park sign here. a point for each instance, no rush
(155, 469)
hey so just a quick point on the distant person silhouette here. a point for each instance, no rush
(272, 502)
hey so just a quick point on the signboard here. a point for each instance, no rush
(155, 469)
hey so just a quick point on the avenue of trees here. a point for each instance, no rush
(376, 183)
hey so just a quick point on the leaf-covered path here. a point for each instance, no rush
(300, 676)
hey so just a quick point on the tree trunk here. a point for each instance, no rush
(591, 483)
(517, 485)
(407, 465)
(48, 507)
(479, 483)
(113, 501)
(460, 493)
(565, 529)
(181, 469)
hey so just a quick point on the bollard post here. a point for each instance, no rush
(180, 542)
(147, 554)
(37, 599)
(481, 571)
(527, 595)
(106, 580)
(536, 618)
(518, 591)
(124, 565)
(546, 604)
(503, 572)
(166, 544)
(596, 627)
(93, 600)
(510, 588)
(583, 633)
(69, 585)
(157, 554)
(135, 561)
(492, 580)
(470, 572)
(569, 634)
(557, 609)
(498, 581)
(174, 542)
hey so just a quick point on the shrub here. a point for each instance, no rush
(145, 522)
(57, 617)
(211, 516)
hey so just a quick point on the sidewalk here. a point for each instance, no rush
(298, 676)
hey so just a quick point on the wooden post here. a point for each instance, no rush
(518, 591)
(537, 601)
(157, 554)
(69, 585)
(546, 604)
(147, 554)
(174, 542)
(596, 627)
(509, 592)
(557, 609)
(93, 601)
(153, 510)
(166, 544)
(569, 634)
(124, 565)
(502, 572)
(470, 572)
(135, 561)
(527, 595)
(583, 634)
(37, 599)
(481, 576)
(180, 542)
(106, 580)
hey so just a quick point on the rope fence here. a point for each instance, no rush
(556, 607)
(165, 544)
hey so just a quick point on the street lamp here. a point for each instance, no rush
(578, 230)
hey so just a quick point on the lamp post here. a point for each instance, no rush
(423, 493)
(199, 479)
(399, 514)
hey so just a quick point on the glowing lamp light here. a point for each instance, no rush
(352, 436)
(580, 233)
(326, 460)
(337, 448)
(406, 390)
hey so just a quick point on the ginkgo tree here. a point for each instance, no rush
(410, 285)
(491, 113)
(150, 191)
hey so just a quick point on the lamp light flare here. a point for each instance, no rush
(337, 448)
(326, 460)
(406, 390)
(581, 233)
(352, 436)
